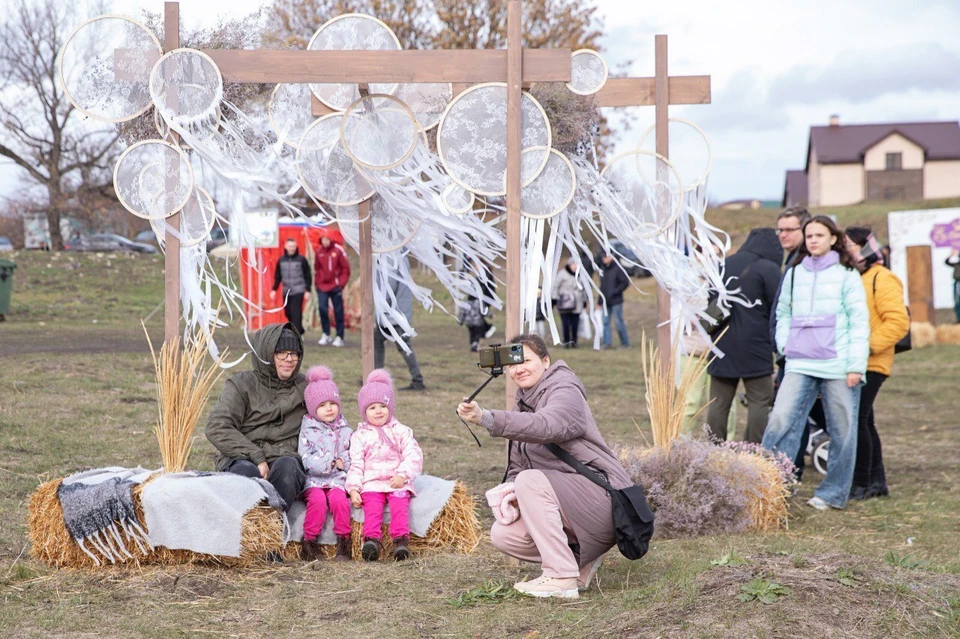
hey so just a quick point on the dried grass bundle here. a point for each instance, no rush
(665, 394)
(922, 334)
(948, 334)
(183, 387)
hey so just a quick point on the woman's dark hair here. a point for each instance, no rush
(858, 234)
(862, 236)
(532, 341)
(840, 246)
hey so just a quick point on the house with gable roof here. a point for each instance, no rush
(853, 163)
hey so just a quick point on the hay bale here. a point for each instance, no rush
(456, 528)
(261, 533)
(948, 334)
(922, 334)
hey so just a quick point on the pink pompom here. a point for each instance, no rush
(318, 373)
(380, 375)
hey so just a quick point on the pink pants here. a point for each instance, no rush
(540, 535)
(317, 500)
(373, 504)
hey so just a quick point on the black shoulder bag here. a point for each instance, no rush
(632, 517)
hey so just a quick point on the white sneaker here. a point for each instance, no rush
(324, 340)
(490, 332)
(818, 503)
(594, 567)
(338, 342)
(544, 586)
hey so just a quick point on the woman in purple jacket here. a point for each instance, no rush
(546, 512)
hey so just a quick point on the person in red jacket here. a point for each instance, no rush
(332, 272)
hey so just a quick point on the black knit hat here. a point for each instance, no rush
(289, 341)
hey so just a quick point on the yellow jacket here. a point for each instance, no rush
(889, 321)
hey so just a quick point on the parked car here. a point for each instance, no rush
(218, 237)
(145, 237)
(105, 242)
(5, 244)
(621, 251)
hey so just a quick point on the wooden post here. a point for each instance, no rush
(171, 261)
(663, 148)
(920, 283)
(514, 97)
(368, 318)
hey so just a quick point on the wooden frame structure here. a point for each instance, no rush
(515, 66)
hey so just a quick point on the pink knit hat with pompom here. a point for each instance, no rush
(320, 389)
(378, 388)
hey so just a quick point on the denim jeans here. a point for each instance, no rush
(841, 404)
(324, 300)
(616, 311)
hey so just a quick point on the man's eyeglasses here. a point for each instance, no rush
(782, 231)
(287, 355)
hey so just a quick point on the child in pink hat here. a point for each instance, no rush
(324, 446)
(385, 459)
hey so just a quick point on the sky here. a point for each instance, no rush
(776, 69)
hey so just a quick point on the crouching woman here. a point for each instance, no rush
(546, 512)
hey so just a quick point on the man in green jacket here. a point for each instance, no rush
(256, 422)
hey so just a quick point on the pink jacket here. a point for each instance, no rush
(379, 453)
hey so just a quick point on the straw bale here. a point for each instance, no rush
(261, 533)
(456, 528)
(922, 334)
(948, 334)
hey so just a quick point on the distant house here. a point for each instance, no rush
(739, 205)
(852, 163)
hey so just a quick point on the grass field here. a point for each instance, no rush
(77, 391)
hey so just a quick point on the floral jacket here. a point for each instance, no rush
(379, 453)
(320, 446)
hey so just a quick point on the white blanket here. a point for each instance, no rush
(200, 512)
(433, 494)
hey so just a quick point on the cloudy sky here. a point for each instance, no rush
(776, 67)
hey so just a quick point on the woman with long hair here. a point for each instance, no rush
(823, 330)
(889, 322)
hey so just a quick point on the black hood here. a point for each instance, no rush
(764, 244)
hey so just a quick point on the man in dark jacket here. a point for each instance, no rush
(332, 273)
(256, 422)
(613, 282)
(293, 271)
(755, 270)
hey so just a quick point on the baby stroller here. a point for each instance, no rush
(818, 446)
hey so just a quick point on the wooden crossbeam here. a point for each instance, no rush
(466, 65)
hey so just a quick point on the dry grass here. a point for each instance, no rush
(184, 381)
(665, 398)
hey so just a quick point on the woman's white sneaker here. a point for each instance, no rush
(324, 340)
(544, 586)
(818, 503)
(338, 342)
(594, 567)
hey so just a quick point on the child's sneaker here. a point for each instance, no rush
(401, 548)
(371, 550)
(344, 548)
(544, 586)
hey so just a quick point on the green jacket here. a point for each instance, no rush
(257, 416)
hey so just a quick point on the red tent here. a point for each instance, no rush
(257, 282)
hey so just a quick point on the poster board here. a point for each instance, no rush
(916, 228)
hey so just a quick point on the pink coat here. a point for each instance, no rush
(379, 453)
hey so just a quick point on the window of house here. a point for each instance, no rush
(894, 161)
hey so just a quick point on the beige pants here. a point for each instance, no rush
(541, 535)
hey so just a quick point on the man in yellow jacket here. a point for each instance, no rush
(889, 323)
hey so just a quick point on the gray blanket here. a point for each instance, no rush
(433, 494)
(98, 512)
(202, 512)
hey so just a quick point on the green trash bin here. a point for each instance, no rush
(6, 285)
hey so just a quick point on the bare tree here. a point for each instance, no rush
(40, 130)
